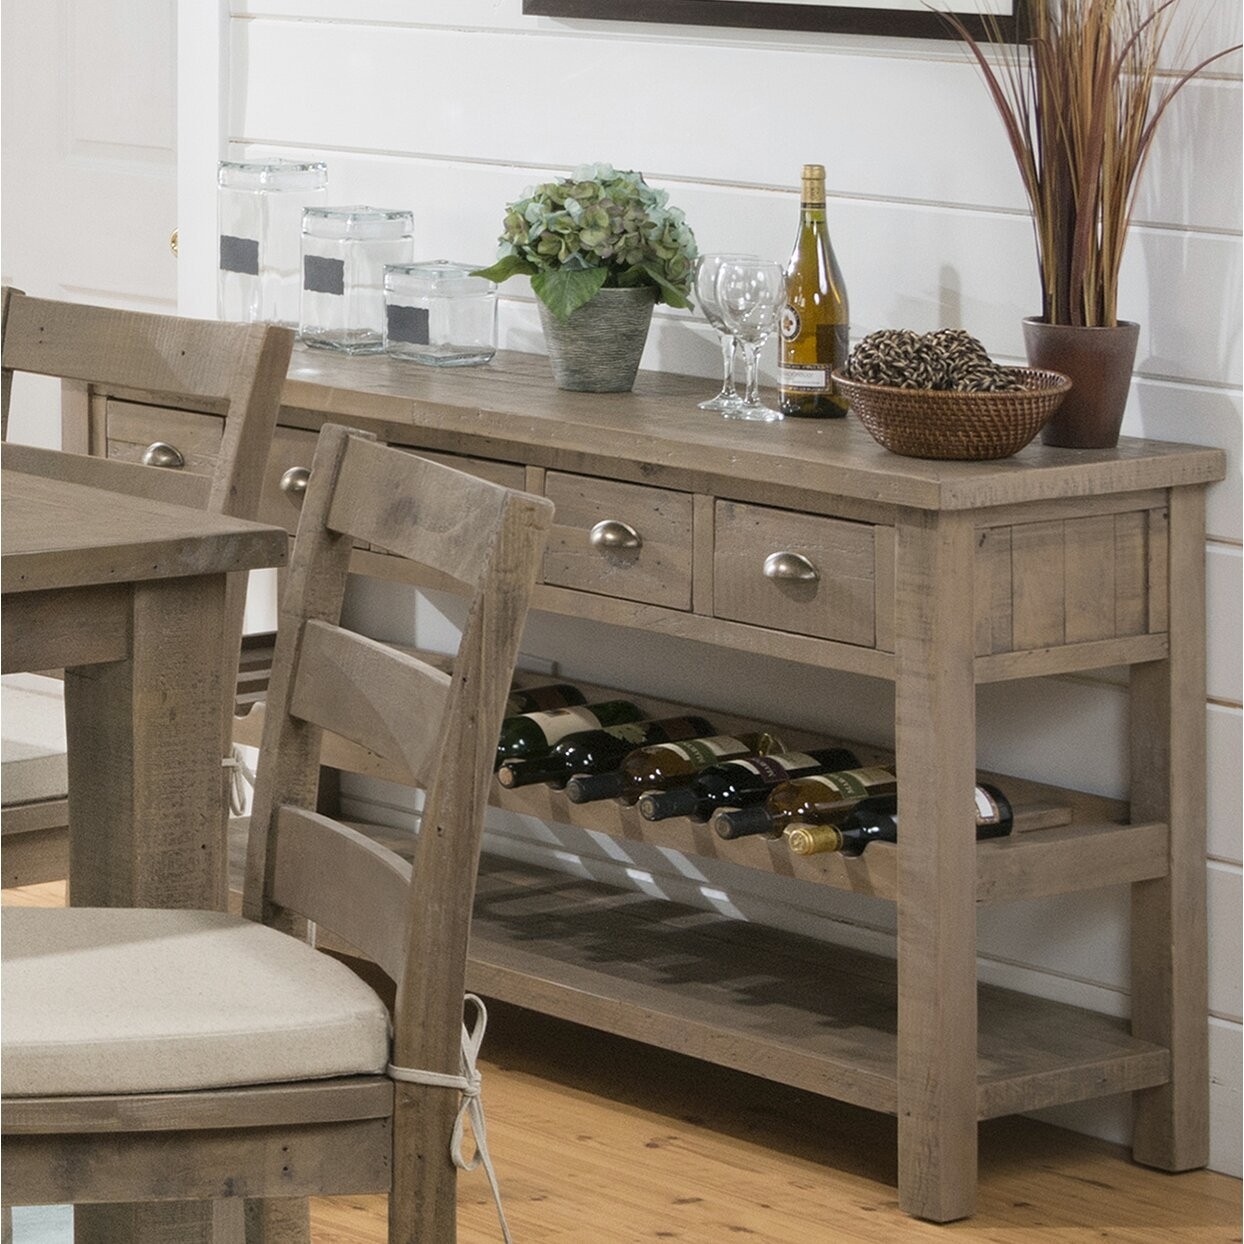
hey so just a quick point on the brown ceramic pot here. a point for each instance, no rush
(1098, 362)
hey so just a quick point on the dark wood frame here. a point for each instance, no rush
(861, 20)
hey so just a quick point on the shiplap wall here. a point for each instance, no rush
(453, 107)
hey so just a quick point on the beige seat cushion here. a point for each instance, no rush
(32, 759)
(122, 1001)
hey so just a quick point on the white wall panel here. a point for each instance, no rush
(398, 89)
(1224, 753)
(1224, 597)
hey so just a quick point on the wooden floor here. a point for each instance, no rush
(599, 1140)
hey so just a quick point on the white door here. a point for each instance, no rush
(89, 168)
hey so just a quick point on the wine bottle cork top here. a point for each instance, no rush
(813, 183)
(813, 839)
(814, 172)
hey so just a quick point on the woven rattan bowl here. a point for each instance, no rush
(934, 423)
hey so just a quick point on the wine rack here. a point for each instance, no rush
(936, 576)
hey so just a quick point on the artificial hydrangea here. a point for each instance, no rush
(598, 228)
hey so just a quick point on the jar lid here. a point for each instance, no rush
(271, 175)
(357, 222)
(438, 275)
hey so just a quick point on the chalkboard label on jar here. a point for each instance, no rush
(323, 276)
(409, 324)
(239, 255)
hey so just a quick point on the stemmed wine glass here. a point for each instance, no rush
(750, 295)
(706, 269)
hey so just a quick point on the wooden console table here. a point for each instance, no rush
(937, 576)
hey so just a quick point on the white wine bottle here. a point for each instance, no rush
(815, 320)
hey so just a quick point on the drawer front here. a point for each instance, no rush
(132, 427)
(281, 502)
(591, 548)
(826, 586)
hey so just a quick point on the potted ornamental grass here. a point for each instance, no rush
(602, 248)
(1081, 95)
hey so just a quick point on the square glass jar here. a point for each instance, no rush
(436, 312)
(344, 254)
(259, 205)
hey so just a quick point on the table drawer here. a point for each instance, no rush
(281, 503)
(131, 428)
(621, 540)
(825, 585)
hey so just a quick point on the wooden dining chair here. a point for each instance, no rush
(154, 363)
(197, 1055)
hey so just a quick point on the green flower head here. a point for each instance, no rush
(611, 225)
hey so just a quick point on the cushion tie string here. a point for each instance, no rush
(468, 1083)
(240, 777)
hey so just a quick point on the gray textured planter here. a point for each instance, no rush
(597, 349)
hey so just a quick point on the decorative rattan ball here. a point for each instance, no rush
(948, 359)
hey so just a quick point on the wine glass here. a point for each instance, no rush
(751, 294)
(706, 269)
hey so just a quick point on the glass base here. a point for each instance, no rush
(757, 413)
(428, 359)
(347, 340)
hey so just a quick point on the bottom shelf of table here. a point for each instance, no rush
(785, 1007)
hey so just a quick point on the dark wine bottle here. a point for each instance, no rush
(815, 320)
(666, 764)
(739, 783)
(820, 797)
(533, 734)
(536, 699)
(876, 820)
(596, 751)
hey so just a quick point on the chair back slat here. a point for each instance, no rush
(364, 691)
(418, 509)
(350, 882)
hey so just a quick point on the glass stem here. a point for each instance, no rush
(728, 346)
(751, 355)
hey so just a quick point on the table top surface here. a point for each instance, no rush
(511, 407)
(57, 534)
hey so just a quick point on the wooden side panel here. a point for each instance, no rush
(1159, 574)
(1090, 578)
(1038, 585)
(993, 591)
(1131, 578)
(884, 553)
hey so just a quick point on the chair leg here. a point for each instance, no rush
(6, 1225)
(278, 1221)
(423, 1200)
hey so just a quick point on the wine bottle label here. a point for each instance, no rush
(791, 323)
(775, 768)
(556, 723)
(987, 810)
(853, 783)
(636, 732)
(704, 751)
(798, 376)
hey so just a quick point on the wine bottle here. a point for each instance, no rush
(739, 783)
(819, 797)
(533, 734)
(815, 320)
(596, 751)
(534, 699)
(876, 820)
(665, 765)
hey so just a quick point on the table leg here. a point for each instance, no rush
(936, 749)
(146, 786)
(146, 814)
(1169, 928)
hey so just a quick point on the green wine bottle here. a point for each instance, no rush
(536, 699)
(533, 734)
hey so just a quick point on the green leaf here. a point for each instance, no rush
(565, 290)
(666, 292)
(503, 269)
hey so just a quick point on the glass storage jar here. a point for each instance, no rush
(438, 313)
(344, 253)
(259, 206)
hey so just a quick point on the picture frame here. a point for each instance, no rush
(905, 18)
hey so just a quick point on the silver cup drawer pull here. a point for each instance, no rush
(162, 454)
(294, 481)
(610, 533)
(789, 567)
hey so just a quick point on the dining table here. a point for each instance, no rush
(128, 593)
